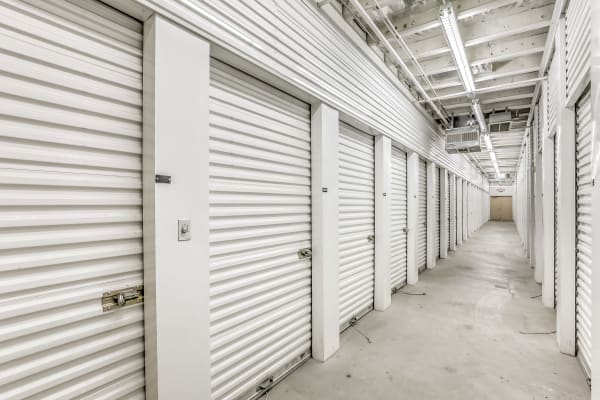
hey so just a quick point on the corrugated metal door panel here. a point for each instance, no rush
(455, 213)
(70, 200)
(452, 234)
(436, 203)
(260, 216)
(584, 231)
(357, 223)
(447, 206)
(422, 217)
(399, 222)
(556, 205)
(578, 43)
(553, 95)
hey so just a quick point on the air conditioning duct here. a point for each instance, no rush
(466, 139)
(500, 122)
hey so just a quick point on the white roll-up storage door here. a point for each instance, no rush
(455, 212)
(436, 229)
(553, 91)
(70, 200)
(583, 307)
(357, 223)
(447, 206)
(260, 217)
(399, 220)
(578, 40)
(422, 217)
(452, 186)
(556, 205)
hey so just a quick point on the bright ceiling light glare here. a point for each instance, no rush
(488, 142)
(476, 109)
(454, 40)
(495, 162)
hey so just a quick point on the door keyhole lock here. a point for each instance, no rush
(185, 230)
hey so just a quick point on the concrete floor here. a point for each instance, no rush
(461, 340)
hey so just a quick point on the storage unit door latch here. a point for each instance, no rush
(122, 298)
(304, 253)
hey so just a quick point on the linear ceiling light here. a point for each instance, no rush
(488, 142)
(495, 162)
(476, 108)
(452, 34)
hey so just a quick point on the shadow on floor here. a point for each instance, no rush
(480, 332)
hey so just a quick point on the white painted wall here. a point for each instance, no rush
(501, 191)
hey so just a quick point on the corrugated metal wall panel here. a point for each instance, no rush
(399, 219)
(70, 200)
(357, 223)
(436, 229)
(260, 216)
(422, 217)
(295, 41)
(578, 43)
(584, 231)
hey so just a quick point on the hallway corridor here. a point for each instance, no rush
(466, 338)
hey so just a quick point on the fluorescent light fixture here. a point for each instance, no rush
(452, 34)
(476, 108)
(488, 142)
(495, 162)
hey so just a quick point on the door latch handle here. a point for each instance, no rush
(371, 238)
(121, 298)
(304, 253)
(405, 229)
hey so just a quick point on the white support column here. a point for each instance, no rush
(176, 274)
(443, 213)
(453, 207)
(459, 211)
(431, 217)
(383, 221)
(565, 310)
(596, 198)
(539, 225)
(465, 208)
(548, 215)
(412, 182)
(531, 201)
(325, 195)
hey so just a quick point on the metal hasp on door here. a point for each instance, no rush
(122, 298)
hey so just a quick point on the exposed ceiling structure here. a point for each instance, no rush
(502, 40)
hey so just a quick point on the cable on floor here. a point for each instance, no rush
(353, 326)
